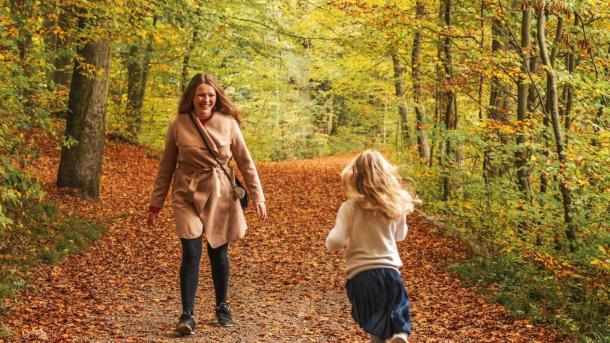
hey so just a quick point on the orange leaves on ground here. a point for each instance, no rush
(284, 286)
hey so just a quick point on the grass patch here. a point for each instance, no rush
(530, 291)
(4, 332)
(39, 233)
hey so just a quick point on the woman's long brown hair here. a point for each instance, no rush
(223, 104)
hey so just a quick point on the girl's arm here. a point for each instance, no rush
(165, 173)
(337, 237)
(401, 229)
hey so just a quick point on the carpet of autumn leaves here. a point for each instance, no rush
(284, 286)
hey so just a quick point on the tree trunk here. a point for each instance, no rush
(498, 103)
(134, 93)
(554, 116)
(543, 179)
(482, 47)
(187, 58)
(448, 104)
(21, 10)
(62, 73)
(137, 64)
(522, 155)
(598, 121)
(569, 96)
(331, 127)
(399, 86)
(496, 98)
(420, 113)
(81, 163)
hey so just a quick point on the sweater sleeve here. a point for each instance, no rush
(337, 237)
(401, 229)
(246, 165)
(165, 173)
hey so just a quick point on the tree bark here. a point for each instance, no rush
(62, 73)
(21, 10)
(569, 96)
(498, 103)
(399, 87)
(497, 96)
(545, 121)
(554, 116)
(598, 121)
(449, 102)
(187, 57)
(420, 113)
(522, 155)
(137, 64)
(482, 47)
(81, 164)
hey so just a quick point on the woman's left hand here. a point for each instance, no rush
(261, 210)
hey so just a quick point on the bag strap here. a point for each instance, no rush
(231, 178)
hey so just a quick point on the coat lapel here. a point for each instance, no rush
(204, 133)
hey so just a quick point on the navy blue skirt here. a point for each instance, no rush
(380, 303)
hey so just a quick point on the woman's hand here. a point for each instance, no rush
(152, 219)
(261, 210)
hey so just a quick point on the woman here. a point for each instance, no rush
(203, 196)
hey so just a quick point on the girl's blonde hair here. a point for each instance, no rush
(376, 185)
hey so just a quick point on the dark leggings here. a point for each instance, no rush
(189, 271)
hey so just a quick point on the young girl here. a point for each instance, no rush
(368, 226)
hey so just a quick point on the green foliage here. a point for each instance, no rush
(4, 332)
(39, 233)
(16, 189)
(533, 291)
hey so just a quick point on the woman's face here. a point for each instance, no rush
(204, 99)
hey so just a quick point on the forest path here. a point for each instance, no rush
(284, 286)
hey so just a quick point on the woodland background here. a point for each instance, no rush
(498, 111)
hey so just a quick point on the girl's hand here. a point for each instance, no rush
(152, 219)
(261, 210)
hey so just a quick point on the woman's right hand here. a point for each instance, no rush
(152, 219)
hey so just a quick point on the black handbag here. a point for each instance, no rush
(239, 191)
(245, 200)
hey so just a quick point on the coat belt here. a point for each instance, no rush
(200, 197)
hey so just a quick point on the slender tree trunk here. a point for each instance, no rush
(62, 71)
(81, 163)
(545, 121)
(331, 127)
(554, 114)
(598, 121)
(399, 87)
(438, 99)
(134, 96)
(21, 10)
(187, 57)
(522, 155)
(146, 61)
(137, 64)
(482, 47)
(569, 96)
(449, 102)
(420, 113)
(497, 95)
(495, 110)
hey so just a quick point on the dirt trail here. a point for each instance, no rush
(284, 286)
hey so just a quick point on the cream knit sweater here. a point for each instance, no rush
(369, 238)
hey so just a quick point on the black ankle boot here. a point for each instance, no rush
(186, 323)
(223, 315)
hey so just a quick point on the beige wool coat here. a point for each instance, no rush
(202, 194)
